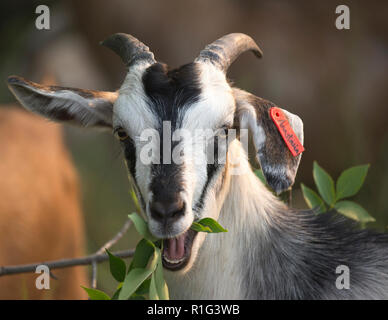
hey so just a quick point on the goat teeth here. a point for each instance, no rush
(173, 261)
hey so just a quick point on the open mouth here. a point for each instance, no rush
(177, 251)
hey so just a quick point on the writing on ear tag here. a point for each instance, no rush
(288, 134)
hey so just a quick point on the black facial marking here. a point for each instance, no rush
(167, 182)
(130, 156)
(212, 170)
(171, 91)
(167, 179)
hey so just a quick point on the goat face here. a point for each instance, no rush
(169, 123)
(179, 116)
(165, 132)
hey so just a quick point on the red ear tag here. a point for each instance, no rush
(289, 136)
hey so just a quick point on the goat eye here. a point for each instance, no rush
(120, 134)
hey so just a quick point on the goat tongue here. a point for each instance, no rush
(174, 249)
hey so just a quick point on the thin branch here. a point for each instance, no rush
(94, 274)
(64, 263)
(116, 238)
(93, 259)
(108, 245)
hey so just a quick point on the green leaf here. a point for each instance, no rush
(154, 260)
(212, 224)
(161, 285)
(132, 281)
(153, 291)
(137, 276)
(325, 184)
(144, 287)
(95, 294)
(312, 199)
(143, 253)
(200, 228)
(259, 173)
(141, 226)
(353, 211)
(117, 267)
(351, 180)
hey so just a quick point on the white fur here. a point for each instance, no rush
(248, 120)
(131, 110)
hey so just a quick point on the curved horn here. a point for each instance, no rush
(129, 49)
(225, 50)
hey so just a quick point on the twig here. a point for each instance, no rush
(116, 238)
(64, 263)
(108, 245)
(94, 274)
(93, 259)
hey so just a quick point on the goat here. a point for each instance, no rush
(270, 251)
(40, 214)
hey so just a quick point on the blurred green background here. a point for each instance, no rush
(336, 81)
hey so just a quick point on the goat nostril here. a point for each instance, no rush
(165, 210)
(156, 212)
(179, 211)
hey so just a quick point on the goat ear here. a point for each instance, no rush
(82, 107)
(278, 164)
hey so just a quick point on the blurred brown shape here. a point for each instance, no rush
(40, 214)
